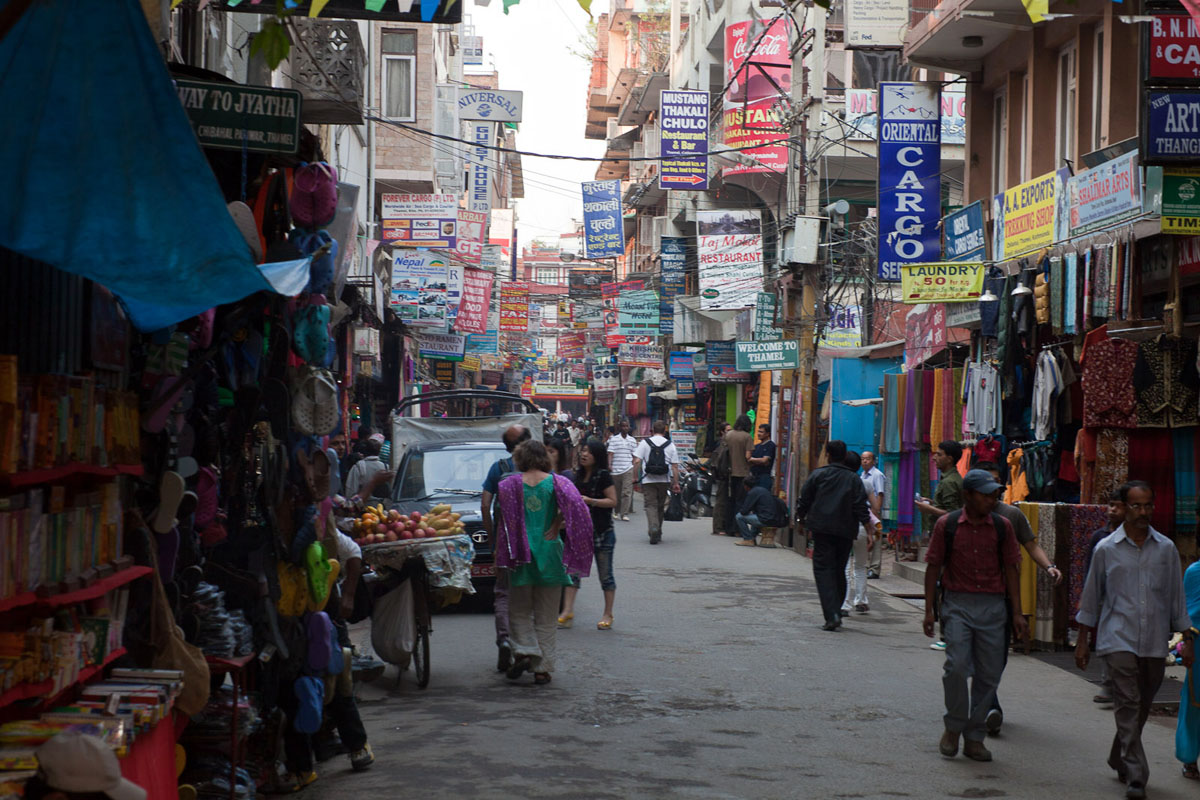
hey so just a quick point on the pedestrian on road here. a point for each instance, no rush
(948, 495)
(490, 511)
(1116, 517)
(973, 552)
(560, 460)
(362, 472)
(758, 510)
(856, 565)
(832, 506)
(535, 507)
(620, 463)
(761, 459)
(660, 460)
(873, 477)
(1133, 598)
(1187, 727)
(719, 467)
(595, 486)
(740, 444)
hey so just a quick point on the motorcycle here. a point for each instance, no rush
(696, 487)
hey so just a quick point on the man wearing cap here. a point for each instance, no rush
(73, 765)
(974, 554)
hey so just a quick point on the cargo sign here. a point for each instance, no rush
(420, 220)
(1174, 51)
(910, 185)
(1181, 200)
(1105, 194)
(759, 356)
(1170, 127)
(683, 140)
(226, 116)
(941, 282)
(1024, 216)
(603, 231)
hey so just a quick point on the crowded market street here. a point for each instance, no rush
(717, 681)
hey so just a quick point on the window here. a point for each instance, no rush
(999, 142)
(1065, 149)
(1097, 87)
(400, 75)
(548, 275)
(1022, 120)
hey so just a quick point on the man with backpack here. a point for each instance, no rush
(974, 560)
(660, 461)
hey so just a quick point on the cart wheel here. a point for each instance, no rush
(421, 658)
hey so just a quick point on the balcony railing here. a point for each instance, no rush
(327, 67)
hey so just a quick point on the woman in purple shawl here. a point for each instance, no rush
(535, 505)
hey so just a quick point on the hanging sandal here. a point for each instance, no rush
(604, 625)
(566, 620)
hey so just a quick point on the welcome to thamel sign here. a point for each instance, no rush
(910, 186)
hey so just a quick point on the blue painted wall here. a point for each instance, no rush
(857, 379)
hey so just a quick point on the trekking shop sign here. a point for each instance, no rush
(231, 117)
(1024, 217)
(941, 282)
(683, 137)
(910, 184)
(760, 356)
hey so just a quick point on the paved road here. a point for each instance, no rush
(717, 683)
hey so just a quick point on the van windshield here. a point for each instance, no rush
(436, 473)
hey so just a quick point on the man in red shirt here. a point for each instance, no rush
(974, 553)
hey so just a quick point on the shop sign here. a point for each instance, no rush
(684, 440)
(1023, 217)
(728, 374)
(755, 81)
(572, 345)
(1105, 194)
(758, 356)
(443, 371)
(1181, 200)
(419, 281)
(559, 391)
(476, 301)
(640, 355)
(686, 389)
(601, 352)
(444, 346)
(876, 23)
(492, 105)
(680, 365)
(366, 341)
(606, 378)
(683, 140)
(472, 228)
(603, 230)
(579, 372)
(910, 185)
(942, 282)
(1174, 51)
(844, 328)
(862, 115)
(471, 363)
(227, 116)
(671, 274)
(527, 388)
(611, 294)
(486, 343)
(491, 377)
(691, 417)
(1170, 126)
(638, 313)
(962, 315)
(720, 354)
(964, 234)
(765, 308)
(514, 307)
(479, 158)
(420, 220)
(729, 252)
(924, 334)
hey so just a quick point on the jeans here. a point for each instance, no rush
(624, 487)
(974, 634)
(762, 479)
(500, 604)
(654, 495)
(603, 544)
(856, 573)
(533, 623)
(1135, 682)
(721, 507)
(829, 571)
(748, 524)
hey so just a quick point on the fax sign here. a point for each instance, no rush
(491, 105)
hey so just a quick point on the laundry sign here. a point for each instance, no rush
(941, 282)
(759, 356)
(228, 116)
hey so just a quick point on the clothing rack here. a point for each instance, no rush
(1063, 343)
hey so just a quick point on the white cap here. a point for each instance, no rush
(74, 762)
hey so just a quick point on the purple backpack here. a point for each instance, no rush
(314, 195)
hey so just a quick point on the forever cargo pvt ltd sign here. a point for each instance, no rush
(231, 117)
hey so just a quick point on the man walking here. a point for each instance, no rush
(620, 465)
(740, 444)
(974, 553)
(661, 463)
(833, 504)
(719, 464)
(1116, 518)
(489, 508)
(1133, 598)
(856, 565)
(874, 479)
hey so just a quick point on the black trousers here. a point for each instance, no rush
(830, 554)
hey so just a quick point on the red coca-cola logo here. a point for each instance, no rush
(767, 46)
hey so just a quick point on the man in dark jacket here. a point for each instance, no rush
(833, 503)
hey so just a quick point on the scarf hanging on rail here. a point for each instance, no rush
(956, 378)
(907, 487)
(1112, 462)
(1043, 629)
(1186, 440)
(928, 384)
(1029, 569)
(1062, 555)
(1151, 460)
(934, 433)
(1084, 521)
(890, 463)
(911, 437)
(1056, 294)
(891, 413)
(1070, 294)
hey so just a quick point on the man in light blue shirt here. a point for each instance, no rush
(875, 481)
(1133, 598)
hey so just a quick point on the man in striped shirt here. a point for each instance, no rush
(620, 465)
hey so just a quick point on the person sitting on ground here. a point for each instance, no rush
(758, 510)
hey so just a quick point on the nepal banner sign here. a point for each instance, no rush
(910, 186)
(603, 234)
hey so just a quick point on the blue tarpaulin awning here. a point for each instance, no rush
(103, 174)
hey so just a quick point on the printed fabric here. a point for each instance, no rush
(1112, 462)
(1108, 397)
(512, 542)
(1029, 570)
(1043, 629)
(1056, 294)
(1166, 382)
(1185, 442)
(1084, 520)
(1151, 460)
(1018, 486)
(1070, 309)
(891, 414)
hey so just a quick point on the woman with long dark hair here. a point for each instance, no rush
(595, 485)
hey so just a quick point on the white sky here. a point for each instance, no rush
(530, 49)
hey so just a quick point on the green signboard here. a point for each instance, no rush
(764, 318)
(1181, 200)
(759, 356)
(229, 116)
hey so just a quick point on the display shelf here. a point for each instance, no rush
(35, 476)
(228, 664)
(97, 589)
(26, 691)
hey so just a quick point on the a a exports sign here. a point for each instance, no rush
(759, 356)
(227, 116)
(910, 186)
(1024, 217)
(683, 138)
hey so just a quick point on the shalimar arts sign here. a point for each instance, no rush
(228, 116)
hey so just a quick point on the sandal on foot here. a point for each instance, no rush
(521, 665)
(1191, 772)
(566, 620)
(604, 625)
(541, 678)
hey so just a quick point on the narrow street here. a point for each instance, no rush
(717, 682)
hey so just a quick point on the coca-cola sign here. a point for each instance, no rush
(757, 66)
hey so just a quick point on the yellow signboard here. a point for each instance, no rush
(1028, 216)
(941, 282)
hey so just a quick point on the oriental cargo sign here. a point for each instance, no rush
(227, 116)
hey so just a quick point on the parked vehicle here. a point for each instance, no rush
(696, 485)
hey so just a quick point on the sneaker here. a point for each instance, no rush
(366, 669)
(976, 751)
(624, 518)
(744, 543)
(326, 747)
(1102, 698)
(993, 721)
(1135, 791)
(938, 645)
(362, 759)
(872, 574)
(504, 658)
(290, 782)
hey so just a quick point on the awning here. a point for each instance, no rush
(105, 177)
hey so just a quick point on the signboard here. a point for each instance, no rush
(420, 220)
(572, 346)
(1174, 51)
(560, 391)
(228, 116)
(492, 105)
(446, 346)
(476, 300)
(876, 23)
(1181, 200)
(443, 371)
(606, 378)
(755, 82)
(964, 234)
(925, 334)
(479, 160)
(765, 308)
(637, 312)
(1024, 216)
(729, 252)
(419, 288)
(640, 355)
(1105, 194)
(759, 356)
(472, 226)
(683, 139)
(514, 307)
(942, 282)
(1170, 127)
(680, 365)
(603, 231)
(685, 388)
(684, 441)
(862, 115)
(672, 263)
(610, 294)
(844, 328)
(910, 185)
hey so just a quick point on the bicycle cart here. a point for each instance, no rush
(410, 577)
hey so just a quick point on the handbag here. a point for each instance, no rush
(674, 510)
